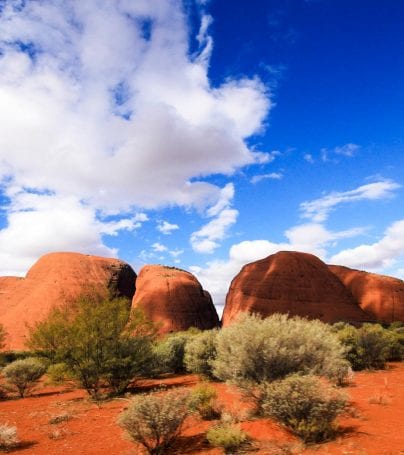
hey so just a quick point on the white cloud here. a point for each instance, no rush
(347, 149)
(112, 118)
(378, 255)
(273, 175)
(158, 247)
(309, 158)
(206, 240)
(166, 228)
(319, 209)
(225, 198)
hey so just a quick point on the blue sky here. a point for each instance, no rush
(202, 134)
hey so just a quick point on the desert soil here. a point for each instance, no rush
(375, 425)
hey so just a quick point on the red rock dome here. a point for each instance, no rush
(56, 278)
(380, 296)
(290, 282)
(174, 299)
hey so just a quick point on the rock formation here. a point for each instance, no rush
(56, 278)
(290, 282)
(174, 299)
(380, 296)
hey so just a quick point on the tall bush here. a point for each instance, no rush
(100, 341)
(256, 350)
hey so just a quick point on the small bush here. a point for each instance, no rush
(200, 352)
(203, 399)
(22, 375)
(59, 418)
(8, 437)
(59, 373)
(256, 350)
(227, 436)
(367, 347)
(155, 421)
(305, 405)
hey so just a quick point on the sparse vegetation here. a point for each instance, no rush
(203, 399)
(100, 341)
(305, 405)
(23, 375)
(257, 350)
(155, 421)
(200, 352)
(226, 435)
(8, 437)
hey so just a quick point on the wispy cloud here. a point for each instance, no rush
(318, 210)
(348, 150)
(273, 176)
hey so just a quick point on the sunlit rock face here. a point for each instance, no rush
(174, 299)
(380, 296)
(58, 278)
(299, 284)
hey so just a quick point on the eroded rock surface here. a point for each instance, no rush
(174, 299)
(54, 279)
(291, 282)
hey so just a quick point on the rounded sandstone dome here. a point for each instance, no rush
(174, 299)
(58, 278)
(299, 284)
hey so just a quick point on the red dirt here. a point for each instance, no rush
(374, 429)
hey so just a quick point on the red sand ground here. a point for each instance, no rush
(376, 426)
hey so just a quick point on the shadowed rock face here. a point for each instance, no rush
(380, 296)
(290, 282)
(54, 279)
(174, 298)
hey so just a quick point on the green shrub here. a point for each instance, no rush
(227, 436)
(203, 399)
(22, 375)
(305, 405)
(59, 373)
(100, 341)
(367, 347)
(200, 352)
(395, 336)
(8, 437)
(155, 420)
(256, 350)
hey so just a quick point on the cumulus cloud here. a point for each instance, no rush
(378, 255)
(104, 99)
(166, 228)
(318, 210)
(158, 247)
(207, 238)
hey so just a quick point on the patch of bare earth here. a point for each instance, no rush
(59, 421)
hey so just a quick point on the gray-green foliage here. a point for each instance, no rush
(256, 350)
(305, 405)
(22, 375)
(200, 352)
(99, 340)
(203, 400)
(169, 352)
(228, 436)
(155, 420)
(366, 347)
